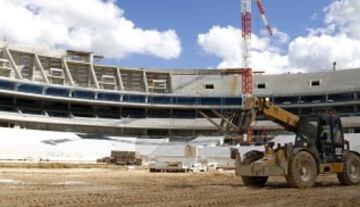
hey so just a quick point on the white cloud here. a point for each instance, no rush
(338, 40)
(97, 25)
(278, 37)
(281, 37)
(225, 43)
(319, 52)
(314, 16)
(345, 14)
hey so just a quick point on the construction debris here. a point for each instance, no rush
(169, 166)
(122, 158)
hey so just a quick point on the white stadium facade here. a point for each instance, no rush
(73, 91)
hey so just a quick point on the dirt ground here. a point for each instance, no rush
(115, 187)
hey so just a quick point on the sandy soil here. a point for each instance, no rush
(114, 187)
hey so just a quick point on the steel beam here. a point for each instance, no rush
(223, 118)
(211, 121)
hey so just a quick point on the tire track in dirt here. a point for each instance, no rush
(114, 188)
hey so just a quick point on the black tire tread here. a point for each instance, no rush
(344, 176)
(292, 178)
(254, 181)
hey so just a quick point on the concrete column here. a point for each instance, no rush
(40, 67)
(170, 85)
(33, 69)
(93, 75)
(145, 81)
(13, 64)
(118, 75)
(67, 71)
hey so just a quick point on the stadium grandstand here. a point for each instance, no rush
(59, 90)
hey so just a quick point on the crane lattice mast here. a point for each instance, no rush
(246, 47)
(246, 44)
(246, 33)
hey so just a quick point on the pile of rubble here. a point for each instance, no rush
(191, 161)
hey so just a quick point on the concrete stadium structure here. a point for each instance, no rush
(60, 90)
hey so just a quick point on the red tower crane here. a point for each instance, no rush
(246, 47)
(246, 44)
(246, 70)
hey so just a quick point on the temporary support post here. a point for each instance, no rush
(223, 118)
(220, 128)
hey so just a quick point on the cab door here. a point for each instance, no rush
(337, 136)
(325, 139)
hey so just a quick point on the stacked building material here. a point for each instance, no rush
(123, 158)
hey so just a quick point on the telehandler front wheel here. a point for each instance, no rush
(302, 170)
(351, 173)
(254, 181)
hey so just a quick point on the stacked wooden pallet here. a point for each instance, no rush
(122, 158)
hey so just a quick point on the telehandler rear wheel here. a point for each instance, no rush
(253, 181)
(351, 173)
(302, 170)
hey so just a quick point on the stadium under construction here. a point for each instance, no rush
(58, 90)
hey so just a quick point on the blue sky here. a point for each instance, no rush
(191, 33)
(192, 17)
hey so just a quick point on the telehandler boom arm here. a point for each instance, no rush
(261, 106)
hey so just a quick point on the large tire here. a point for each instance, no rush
(253, 181)
(302, 170)
(351, 173)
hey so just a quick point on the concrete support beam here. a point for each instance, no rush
(13, 64)
(170, 84)
(223, 118)
(220, 128)
(40, 67)
(145, 81)
(93, 76)
(33, 69)
(67, 71)
(118, 74)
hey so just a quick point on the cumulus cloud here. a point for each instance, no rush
(278, 37)
(319, 52)
(337, 41)
(345, 15)
(97, 25)
(226, 44)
